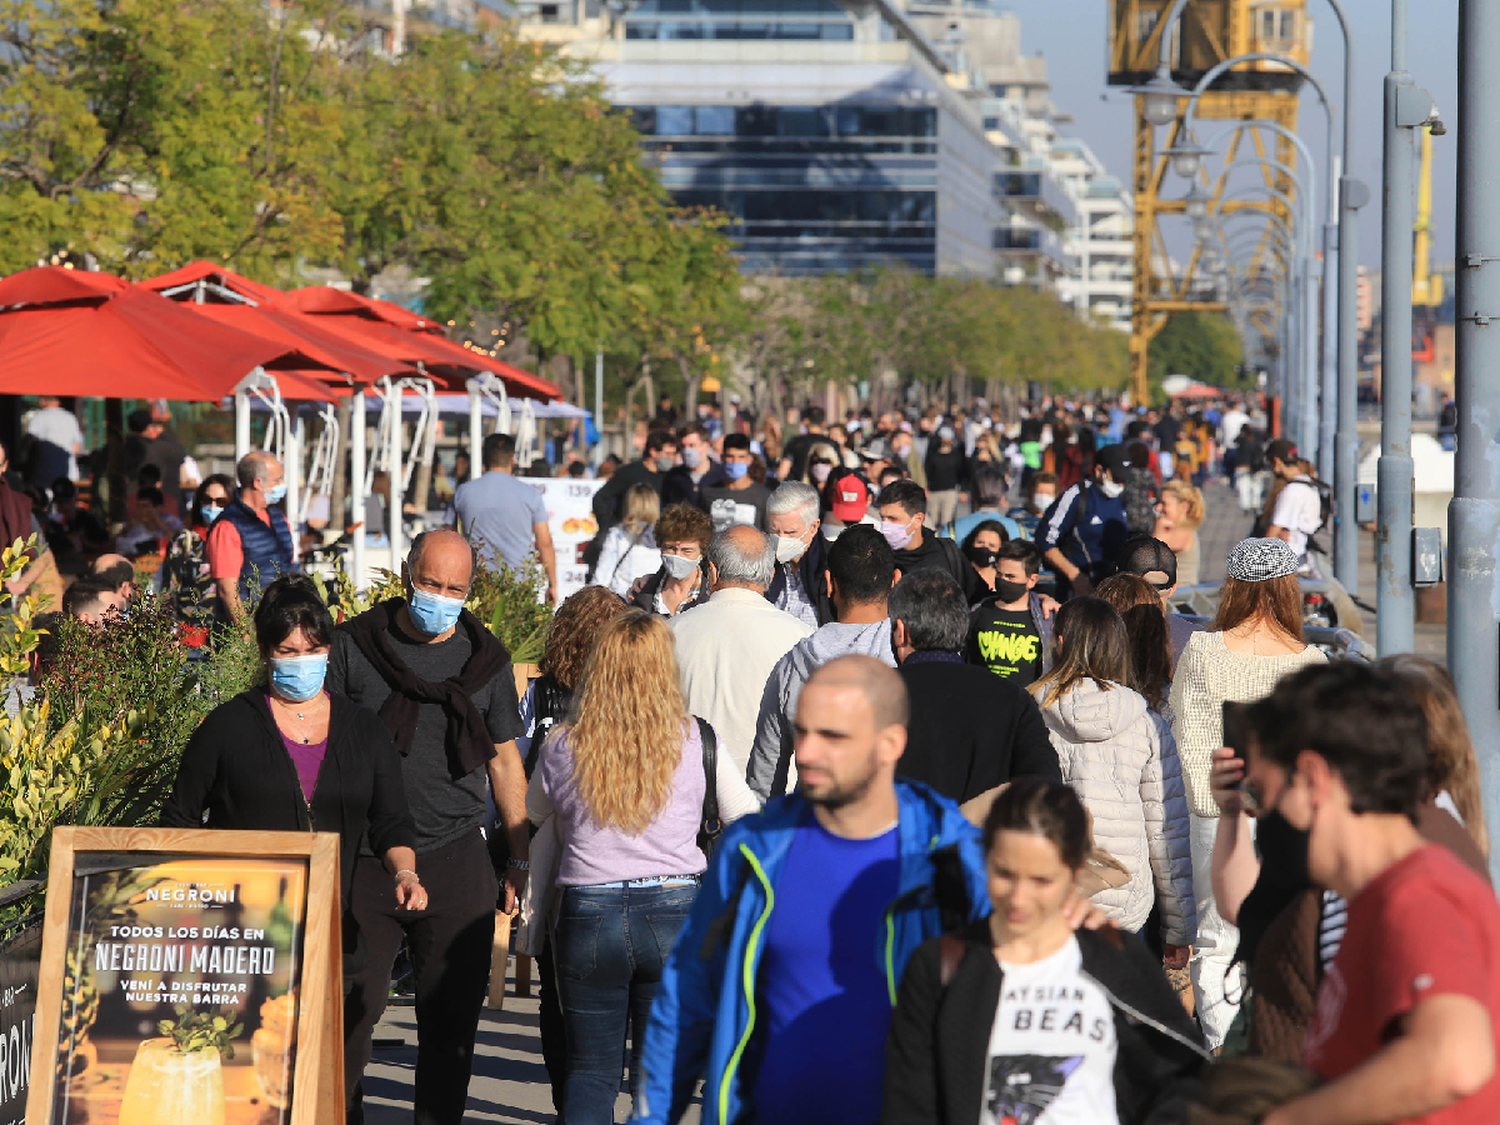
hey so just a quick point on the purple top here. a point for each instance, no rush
(308, 758)
(596, 854)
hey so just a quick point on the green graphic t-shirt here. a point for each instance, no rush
(1006, 642)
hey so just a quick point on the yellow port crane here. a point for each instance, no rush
(1207, 33)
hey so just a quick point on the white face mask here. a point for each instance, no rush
(678, 567)
(789, 548)
(1041, 501)
(820, 473)
(1111, 488)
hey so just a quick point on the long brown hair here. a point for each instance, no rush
(1451, 761)
(1276, 601)
(1091, 644)
(1139, 605)
(574, 631)
(629, 723)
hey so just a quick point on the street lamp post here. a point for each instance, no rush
(1407, 107)
(1474, 514)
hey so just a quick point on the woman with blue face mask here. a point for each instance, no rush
(185, 573)
(290, 756)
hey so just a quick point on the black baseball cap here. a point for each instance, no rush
(1114, 458)
(1282, 450)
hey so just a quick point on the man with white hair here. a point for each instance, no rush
(799, 587)
(727, 647)
(251, 543)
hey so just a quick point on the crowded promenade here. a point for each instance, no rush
(968, 763)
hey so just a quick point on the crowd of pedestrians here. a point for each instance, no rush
(877, 777)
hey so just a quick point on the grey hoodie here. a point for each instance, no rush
(772, 753)
(1120, 758)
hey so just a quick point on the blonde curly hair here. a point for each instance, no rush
(629, 723)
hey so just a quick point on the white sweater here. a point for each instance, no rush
(726, 649)
(1119, 757)
(1208, 676)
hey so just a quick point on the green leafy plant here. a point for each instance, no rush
(198, 1031)
(506, 599)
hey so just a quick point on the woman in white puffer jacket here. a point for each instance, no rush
(1119, 756)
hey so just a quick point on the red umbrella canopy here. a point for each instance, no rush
(134, 344)
(415, 338)
(210, 290)
(54, 285)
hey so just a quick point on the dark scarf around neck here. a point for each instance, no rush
(468, 738)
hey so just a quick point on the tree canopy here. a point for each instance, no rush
(1204, 346)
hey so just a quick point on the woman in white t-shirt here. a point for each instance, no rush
(1020, 1020)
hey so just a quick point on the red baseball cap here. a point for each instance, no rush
(851, 496)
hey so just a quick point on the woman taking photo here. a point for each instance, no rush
(1179, 515)
(626, 779)
(682, 536)
(1255, 639)
(1021, 1019)
(1118, 754)
(292, 757)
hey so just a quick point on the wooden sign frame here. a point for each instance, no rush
(318, 1077)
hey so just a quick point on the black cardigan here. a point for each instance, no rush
(938, 1049)
(237, 770)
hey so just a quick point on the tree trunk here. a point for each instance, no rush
(690, 383)
(340, 489)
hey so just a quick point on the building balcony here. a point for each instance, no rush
(1021, 243)
(1037, 194)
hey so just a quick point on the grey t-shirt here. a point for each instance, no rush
(498, 514)
(444, 807)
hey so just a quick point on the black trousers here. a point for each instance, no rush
(450, 947)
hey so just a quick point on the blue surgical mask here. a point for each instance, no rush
(734, 471)
(297, 679)
(433, 614)
(210, 512)
(276, 493)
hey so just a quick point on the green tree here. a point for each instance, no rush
(147, 133)
(1204, 346)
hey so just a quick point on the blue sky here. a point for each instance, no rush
(1073, 35)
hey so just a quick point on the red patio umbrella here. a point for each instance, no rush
(52, 285)
(129, 344)
(211, 291)
(415, 337)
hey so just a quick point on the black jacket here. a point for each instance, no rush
(933, 553)
(970, 730)
(811, 569)
(236, 769)
(938, 1049)
(610, 498)
(946, 470)
(678, 486)
(643, 593)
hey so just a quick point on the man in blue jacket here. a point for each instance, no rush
(780, 989)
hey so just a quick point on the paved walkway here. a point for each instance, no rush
(509, 1084)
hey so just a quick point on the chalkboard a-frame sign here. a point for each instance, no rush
(189, 976)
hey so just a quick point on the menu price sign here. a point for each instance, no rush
(189, 976)
(570, 517)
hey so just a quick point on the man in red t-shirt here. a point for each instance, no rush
(1406, 1018)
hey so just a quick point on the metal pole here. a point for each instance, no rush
(1474, 514)
(598, 451)
(242, 421)
(357, 488)
(296, 440)
(1352, 196)
(1310, 429)
(476, 429)
(397, 491)
(1328, 405)
(1395, 605)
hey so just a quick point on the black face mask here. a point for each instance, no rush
(980, 556)
(1007, 591)
(1285, 848)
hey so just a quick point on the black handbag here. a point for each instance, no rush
(711, 827)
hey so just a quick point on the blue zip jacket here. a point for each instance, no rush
(705, 1013)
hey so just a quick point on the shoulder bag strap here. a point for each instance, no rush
(711, 827)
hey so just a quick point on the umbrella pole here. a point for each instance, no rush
(357, 488)
(476, 430)
(242, 419)
(296, 435)
(397, 493)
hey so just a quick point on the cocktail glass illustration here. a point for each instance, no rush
(166, 1085)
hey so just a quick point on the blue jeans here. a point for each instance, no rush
(610, 946)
